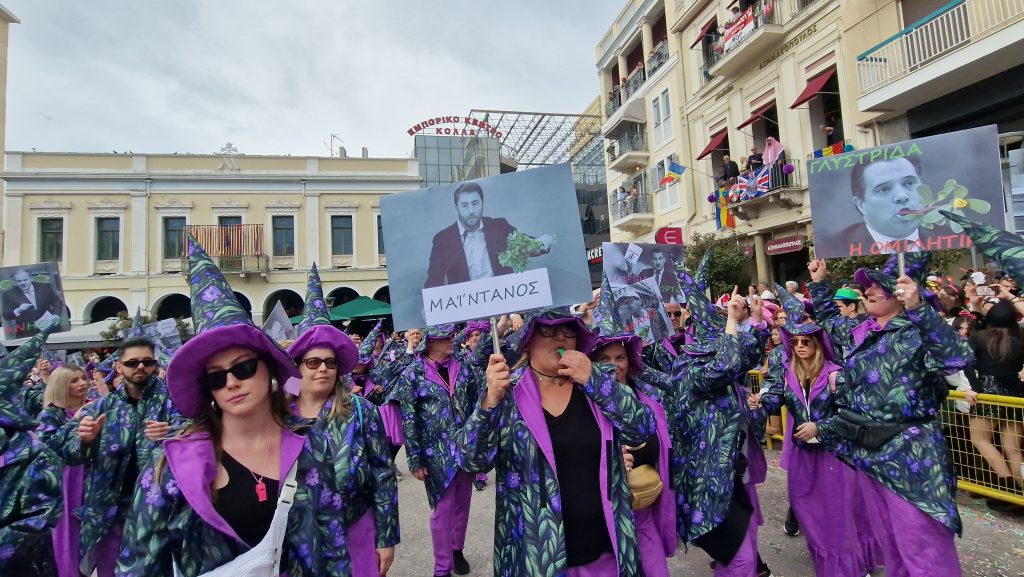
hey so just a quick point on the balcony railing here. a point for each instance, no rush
(234, 248)
(932, 38)
(635, 81)
(801, 5)
(776, 184)
(736, 35)
(613, 104)
(630, 205)
(710, 59)
(658, 57)
(629, 142)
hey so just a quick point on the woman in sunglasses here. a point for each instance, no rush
(824, 493)
(563, 502)
(359, 448)
(654, 508)
(243, 491)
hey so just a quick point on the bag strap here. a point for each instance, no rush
(284, 504)
(832, 381)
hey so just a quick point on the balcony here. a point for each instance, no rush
(658, 58)
(236, 248)
(632, 215)
(628, 152)
(748, 39)
(963, 44)
(774, 187)
(635, 81)
(613, 104)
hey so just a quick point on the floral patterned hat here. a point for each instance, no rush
(14, 368)
(370, 343)
(708, 325)
(610, 330)
(442, 331)
(1005, 248)
(553, 316)
(220, 323)
(316, 332)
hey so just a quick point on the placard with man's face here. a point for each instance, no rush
(32, 298)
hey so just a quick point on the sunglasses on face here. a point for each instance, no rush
(801, 341)
(243, 370)
(313, 363)
(134, 364)
(676, 314)
(568, 331)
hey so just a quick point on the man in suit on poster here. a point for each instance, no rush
(30, 305)
(468, 250)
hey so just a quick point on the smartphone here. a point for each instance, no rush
(985, 291)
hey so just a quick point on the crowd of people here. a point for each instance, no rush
(249, 456)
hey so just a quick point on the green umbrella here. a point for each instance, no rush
(377, 312)
(353, 308)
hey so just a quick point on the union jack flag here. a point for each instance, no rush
(756, 184)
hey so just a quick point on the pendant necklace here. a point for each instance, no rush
(557, 379)
(261, 487)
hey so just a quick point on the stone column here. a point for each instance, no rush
(646, 39)
(761, 259)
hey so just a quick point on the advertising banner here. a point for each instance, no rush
(887, 199)
(32, 298)
(484, 247)
(740, 28)
(642, 278)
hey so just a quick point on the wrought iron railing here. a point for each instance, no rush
(613, 104)
(635, 81)
(763, 13)
(658, 58)
(628, 142)
(233, 248)
(622, 206)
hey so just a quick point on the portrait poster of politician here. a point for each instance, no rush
(32, 298)
(887, 199)
(484, 247)
(642, 278)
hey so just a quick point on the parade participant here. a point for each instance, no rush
(113, 440)
(368, 349)
(389, 407)
(241, 491)
(661, 356)
(887, 424)
(654, 508)
(563, 502)
(717, 458)
(824, 494)
(30, 473)
(436, 393)
(64, 396)
(465, 344)
(359, 449)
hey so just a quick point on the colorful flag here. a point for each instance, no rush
(672, 174)
(725, 218)
(756, 184)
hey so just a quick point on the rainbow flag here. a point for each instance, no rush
(837, 148)
(672, 174)
(724, 217)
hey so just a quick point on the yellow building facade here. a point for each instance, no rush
(115, 224)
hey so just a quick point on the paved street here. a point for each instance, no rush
(992, 546)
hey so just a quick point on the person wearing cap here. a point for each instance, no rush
(352, 427)
(243, 490)
(824, 494)
(563, 503)
(717, 460)
(31, 501)
(849, 303)
(654, 508)
(887, 420)
(113, 438)
(436, 394)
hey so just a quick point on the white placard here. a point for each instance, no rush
(487, 297)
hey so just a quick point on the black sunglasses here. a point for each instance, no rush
(676, 314)
(217, 380)
(313, 363)
(134, 364)
(797, 341)
(568, 331)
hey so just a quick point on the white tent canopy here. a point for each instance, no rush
(80, 337)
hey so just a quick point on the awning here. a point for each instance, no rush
(814, 86)
(716, 139)
(633, 111)
(703, 32)
(757, 114)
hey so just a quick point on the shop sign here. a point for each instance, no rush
(595, 255)
(455, 126)
(785, 244)
(669, 235)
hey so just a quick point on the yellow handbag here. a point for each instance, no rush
(645, 485)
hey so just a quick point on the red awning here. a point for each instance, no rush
(703, 32)
(716, 139)
(814, 86)
(757, 114)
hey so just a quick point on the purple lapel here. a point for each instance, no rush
(430, 371)
(860, 332)
(665, 509)
(527, 397)
(606, 501)
(291, 446)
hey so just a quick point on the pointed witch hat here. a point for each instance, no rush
(220, 323)
(370, 343)
(14, 368)
(707, 323)
(1006, 248)
(316, 332)
(611, 330)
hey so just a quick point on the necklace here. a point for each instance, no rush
(557, 379)
(261, 487)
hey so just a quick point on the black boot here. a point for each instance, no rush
(461, 565)
(791, 526)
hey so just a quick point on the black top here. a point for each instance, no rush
(237, 503)
(1005, 372)
(576, 442)
(648, 454)
(755, 161)
(131, 473)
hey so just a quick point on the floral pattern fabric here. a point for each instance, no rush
(31, 501)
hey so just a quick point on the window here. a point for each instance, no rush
(661, 113)
(380, 236)
(284, 235)
(658, 173)
(174, 236)
(341, 234)
(108, 236)
(668, 197)
(51, 240)
(229, 220)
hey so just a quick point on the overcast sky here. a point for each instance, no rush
(278, 77)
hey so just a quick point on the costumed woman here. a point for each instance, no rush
(244, 490)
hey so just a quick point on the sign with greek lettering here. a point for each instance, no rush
(642, 278)
(887, 199)
(484, 247)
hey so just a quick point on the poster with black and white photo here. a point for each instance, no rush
(32, 298)
(484, 247)
(278, 326)
(887, 199)
(164, 334)
(642, 279)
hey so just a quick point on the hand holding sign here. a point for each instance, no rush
(907, 292)
(498, 382)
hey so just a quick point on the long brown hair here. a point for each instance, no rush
(809, 369)
(999, 342)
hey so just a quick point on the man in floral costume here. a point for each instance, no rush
(115, 436)
(31, 501)
(436, 394)
(887, 423)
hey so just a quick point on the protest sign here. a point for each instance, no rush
(738, 30)
(484, 247)
(642, 278)
(32, 298)
(164, 334)
(886, 199)
(278, 326)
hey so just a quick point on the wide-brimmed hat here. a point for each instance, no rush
(442, 331)
(14, 369)
(220, 323)
(585, 338)
(316, 332)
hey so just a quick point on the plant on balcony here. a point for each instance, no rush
(954, 198)
(725, 269)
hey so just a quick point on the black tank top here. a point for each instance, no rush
(237, 503)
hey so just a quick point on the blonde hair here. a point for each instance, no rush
(809, 369)
(59, 386)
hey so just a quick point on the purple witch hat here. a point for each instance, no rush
(370, 343)
(14, 368)
(314, 312)
(316, 332)
(220, 323)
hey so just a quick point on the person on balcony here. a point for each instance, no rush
(755, 161)
(730, 171)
